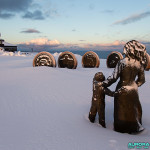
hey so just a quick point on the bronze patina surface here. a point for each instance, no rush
(147, 62)
(67, 60)
(98, 99)
(90, 60)
(44, 59)
(130, 72)
(113, 59)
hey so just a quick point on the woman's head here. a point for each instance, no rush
(135, 50)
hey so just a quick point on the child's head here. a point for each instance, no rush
(99, 77)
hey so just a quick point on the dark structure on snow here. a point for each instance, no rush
(90, 60)
(7, 47)
(44, 59)
(113, 59)
(67, 60)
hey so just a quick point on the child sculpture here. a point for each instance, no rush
(98, 99)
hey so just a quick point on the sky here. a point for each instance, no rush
(75, 24)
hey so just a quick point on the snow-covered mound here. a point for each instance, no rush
(5, 53)
(45, 108)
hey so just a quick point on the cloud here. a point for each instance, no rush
(14, 5)
(40, 44)
(82, 40)
(52, 13)
(116, 45)
(91, 6)
(36, 15)
(74, 30)
(30, 31)
(27, 9)
(46, 44)
(42, 41)
(108, 11)
(6, 15)
(132, 18)
(8, 8)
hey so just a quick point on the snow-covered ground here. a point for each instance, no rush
(45, 108)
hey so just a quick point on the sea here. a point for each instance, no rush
(102, 54)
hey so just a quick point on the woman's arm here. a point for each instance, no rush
(115, 75)
(141, 77)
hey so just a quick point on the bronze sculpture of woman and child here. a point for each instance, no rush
(127, 107)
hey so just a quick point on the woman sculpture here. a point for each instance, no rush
(130, 70)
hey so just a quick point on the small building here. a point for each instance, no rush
(1, 43)
(7, 46)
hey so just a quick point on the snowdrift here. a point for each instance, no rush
(44, 108)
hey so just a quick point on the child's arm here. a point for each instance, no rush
(109, 92)
(121, 91)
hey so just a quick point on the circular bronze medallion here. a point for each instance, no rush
(67, 60)
(113, 59)
(147, 64)
(90, 60)
(44, 59)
